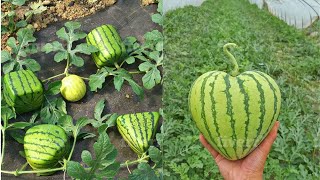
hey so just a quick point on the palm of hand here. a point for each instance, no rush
(250, 167)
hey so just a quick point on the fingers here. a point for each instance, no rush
(266, 144)
(205, 143)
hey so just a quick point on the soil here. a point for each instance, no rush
(147, 2)
(130, 19)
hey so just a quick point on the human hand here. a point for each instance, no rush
(250, 167)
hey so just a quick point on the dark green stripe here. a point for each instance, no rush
(42, 145)
(230, 113)
(45, 133)
(138, 121)
(15, 91)
(50, 141)
(203, 115)
(107, 37)
(32, 77)
(104, 43)
(134, 130)
(125, 126)
(117, 41)
(152, 124)
(246, 107)
(275, 104)
(21, 82)
(262, 108)
(125, 134)
(29, 85)
(41, 152)
(7, 96)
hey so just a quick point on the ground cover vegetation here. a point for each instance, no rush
(194, 38)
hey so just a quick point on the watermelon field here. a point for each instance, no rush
(194, 40)
(79, 106)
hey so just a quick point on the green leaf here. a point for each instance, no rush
(157, 18)
(6, 115)
(85, 135)
(21, 24)
(99, 109)
(5, 56)
(71, 25)
(76, 60)
(54, 88)
(66, 123)
(17, 135)
(25, 36)
(130, 60)
(146, 66)
(83, 121)
(118, 82)
(75, 170)
(85, 49)
(18, 125)
(155, 154)
(135, 87)
(155, 55)
(96, 80)
(11, 42)
(154, 35)
(31, 64)
(102, 166)
(59, 56)
(18, 2)
(54, 46)
(86, 157)
(53, 110)
(62, 34)
(8, 67)
(151, 78)
(143, 172)
(123, 74)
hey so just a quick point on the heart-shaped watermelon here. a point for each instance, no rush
(234, 112)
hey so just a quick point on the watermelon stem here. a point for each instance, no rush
(48, 79)
(17, 172)
(72, 149)
(116, 65)
(144, 158)
(3, 145)
(233, 60)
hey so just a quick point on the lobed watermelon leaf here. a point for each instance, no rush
(144, 172)
(21, 47)
(102, 165)
(70, 33)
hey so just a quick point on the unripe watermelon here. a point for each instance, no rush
(45, 145)
(108, 41)
(73, 88)
(234, 112)
(138, 129)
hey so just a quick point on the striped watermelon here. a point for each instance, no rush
(45, 145)
(22, 90)
(138, 130)
(234, 112)
(73, 88)
(108, 41)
